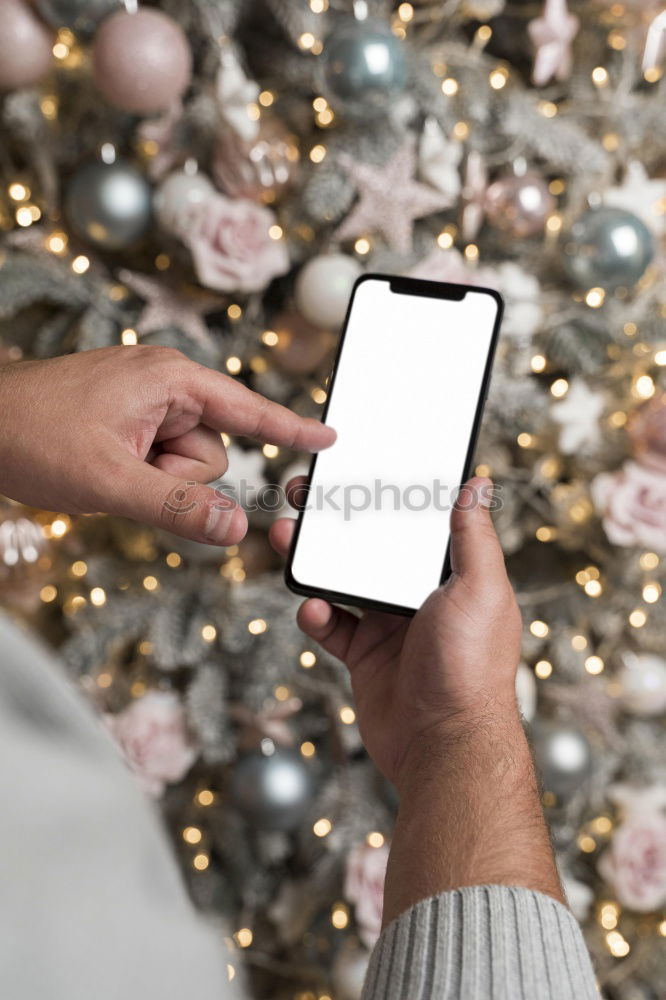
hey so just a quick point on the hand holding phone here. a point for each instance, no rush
(405, 398)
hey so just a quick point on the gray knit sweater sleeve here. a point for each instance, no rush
(488, 942)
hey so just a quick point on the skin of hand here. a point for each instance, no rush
(437, 712)
(135, 431)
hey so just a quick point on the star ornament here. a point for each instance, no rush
(167, 307)
(390, 199)
(578, 417)
(552, 35)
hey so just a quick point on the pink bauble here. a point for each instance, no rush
(25, 46)
(519, 205)
(141, 62)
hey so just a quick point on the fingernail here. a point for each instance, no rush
(218, 519)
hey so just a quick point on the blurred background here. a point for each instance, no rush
(213, 175)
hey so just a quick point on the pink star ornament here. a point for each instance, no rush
(552, 34)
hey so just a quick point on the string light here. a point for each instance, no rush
(595, 298)
(173, 560)
(559, 388)
(80, 264)
(18, 192)
(234, 365)
(617, 945)
(461, 130)
(78, 568)
(318, 395)
(307, 749)
(450, 86)
(317, 153)
(472, 251)
(637, 618)
(129, 337)
(543, 669)
(405, 12)
(546, 533)
(307, 659)
(586, 843)
(104, 680)
(484, 33)
(98, 596)
(651, 592)
(498, 78)
(608, 916)
(547, 108)
(649, 560)
(630, 329)
(192, 835)
(644, 387)
(48, 593)
(339, 916)
(593, 588)
(374, 839)
(49, 107)
(243, 937)
(538, 363)
(618, 418)
(209, 633)
(201, 862)
(594, 665)
(579, 642)
(257, 626)
(318, 6)
(347, 715)
(270, 338)
(445, 240)
(539, 629)
(205, 797)
(322, 827)
(525, 440)
(600, 76)
(362, 245)
(271, 450)
(281, 692)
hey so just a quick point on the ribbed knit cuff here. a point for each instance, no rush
(487, 942)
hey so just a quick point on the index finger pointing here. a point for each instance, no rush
(230, 406)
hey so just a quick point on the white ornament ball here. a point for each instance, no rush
(179, 198)
(349, 969)
(526, 692)
(643, 682)
(323, 288)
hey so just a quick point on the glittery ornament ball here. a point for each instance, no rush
(25, 46)
(608, 247)
(142, 62)
(519, 205)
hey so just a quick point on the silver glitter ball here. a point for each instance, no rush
(109, 205)
(563, 756)
(364, 67)
(607, 247)
(273, 791)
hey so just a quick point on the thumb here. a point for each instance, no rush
(184, 507)
(476, 553)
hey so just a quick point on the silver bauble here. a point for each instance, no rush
(563, 756)
(364, 67)
(607, 247)
(82, 16)
(273, 791)
(109, 204)
(179, 198)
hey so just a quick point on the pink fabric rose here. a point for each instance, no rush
(152, 735)
(231, 247)
(635, 863)
(647, 430)
(632, 503)
(364, 887)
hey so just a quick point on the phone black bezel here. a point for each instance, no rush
(407, 286)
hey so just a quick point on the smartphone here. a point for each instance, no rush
(406, 397)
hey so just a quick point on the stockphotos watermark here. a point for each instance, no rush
(346, 499)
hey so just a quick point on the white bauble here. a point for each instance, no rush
(349, 969)
(323, 288)
(526, 692)
(179, 198)
(643, 681)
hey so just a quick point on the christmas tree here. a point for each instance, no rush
(213, 176)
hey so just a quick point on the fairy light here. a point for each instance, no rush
(192, 835)
(306, 41)
(24, 216)
(539, 629)
(318, 395)
(594, 664)
(586, 843)
(243, 937)
(595, 297)
(662, 928)
(231, 972)
(339, 916)
(78, 568)
(461, 130)
(649, 560)
(266, 98)
(557, 186)
(201, 862)
(253, 112)
(602, 825)
(307, 659)
(644, 387)
(173, 560)
(405, 12)
(608, 916)
(129, 337)
(233, 364)
(525, 440)
(49, 107)
(652, 74)
(547, 108)
(484, 33)
(145, 647)
(98, 596)
(538, 363)
(59, 527)
(482, 469)
(104, 680)
(257, 626)
(600, 76)
(559, 388)
(209, 633)
(630, 329)
(362, 245)
(318, 6)
(48, 593)
(651, 592)
(347, 715)
(610, 141)
(317, 153)
(450, 86)
(445, 240)
(271, 450)
(616, 40)
(554, 222)
(150, 583)
(80, 264)
(18, 192)
(205, 797)
(498, 78)
(138, 689)
(375, 839)
(307, 749)
(546, 533)
(593, 588)
(276, 233)
(322, 827)
(617, 945)
(579, 642)
(618, 418)
(325, 117)
(637, 618)
(472, 251)
(281, 692)
(543, 669)
(660, 358)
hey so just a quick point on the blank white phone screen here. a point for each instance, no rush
(404, 399)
